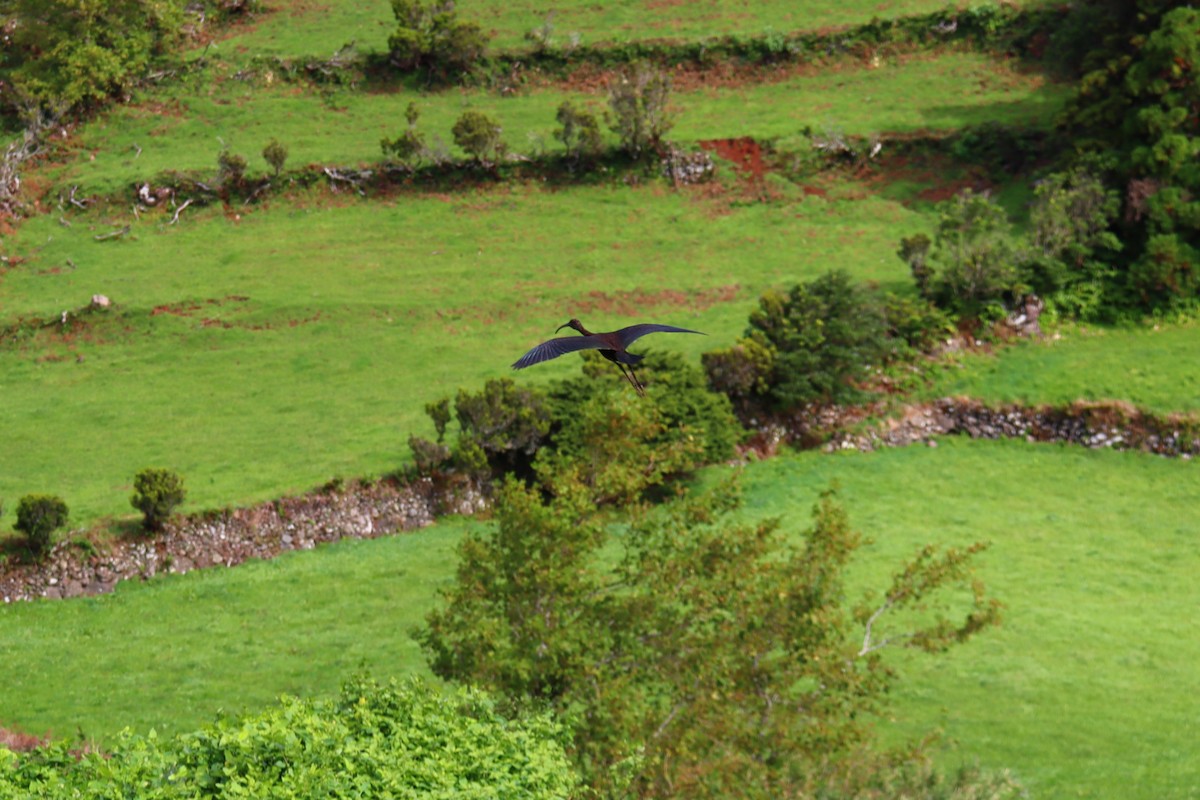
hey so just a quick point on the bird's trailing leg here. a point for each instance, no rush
(628, 373)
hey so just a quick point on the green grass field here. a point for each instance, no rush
(1154, 367)
(1080, 691)
(303, 341)
(301, 28)
(186, 129)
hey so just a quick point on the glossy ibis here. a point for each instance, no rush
(611, 345)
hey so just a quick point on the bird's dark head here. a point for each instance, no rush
(574, 323)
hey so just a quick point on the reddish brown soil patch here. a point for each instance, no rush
(19, 741)
(744, 152)
(634, 302)
(947, 191)
(188, 309)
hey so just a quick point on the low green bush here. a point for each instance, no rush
(393, 740)
(157, 493)
(38, 517)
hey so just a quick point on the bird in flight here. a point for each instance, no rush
(611, 345)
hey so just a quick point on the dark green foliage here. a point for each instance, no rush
(914, 251)
(276, 155)
(1072, 243)
(393, 740)
(432, 40)
(751, 676)
(816, 343)
(638, 103)
(974, 255)
(231, 169)
(916, 323)
(580, 132)
(157, 493)
(1136, 108)
(78, 53)
(38, 517)
(409, 147)
(479, 135)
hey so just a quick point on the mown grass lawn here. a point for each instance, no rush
(1156, 366)
(1082, 691)
(186, 128)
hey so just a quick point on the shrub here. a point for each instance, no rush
(38, 517)
(394, 740)
(580, 132)
(157, 493)
(479, 135)
(974, 254)
(639, 114)
(814, 343)
(64, 53)
(914, 251)
(275, 154)
(433, 40)
(231, 169)
(409, 147)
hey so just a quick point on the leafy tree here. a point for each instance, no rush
(1072, 242)
(409, 147)
(276, 155)
(38, 517)
(715, 658)
(974, 254)
(815, 343)
(479, 135)
(638, 105)
(580, 132)
(157, 493)
(393, 740)
(78, 53)
(432, 39)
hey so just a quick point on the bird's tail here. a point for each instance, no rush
(629, 358)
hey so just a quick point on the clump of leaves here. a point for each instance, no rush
(409, 147)
(431, 39)
(579, 132)
(974, 255)
(38, 517)
(638, 108)
(231, 169)
(157, 492)
(479, 136)
(816, 343)
(276, 155)
(753, 676)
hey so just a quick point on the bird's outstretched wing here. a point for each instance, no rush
(555, 348)
(635, 332)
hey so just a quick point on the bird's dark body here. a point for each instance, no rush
(612, 345)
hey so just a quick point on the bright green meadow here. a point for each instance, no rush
(1079, 691)
(185, 130)
(1155, 367)
(306, 29)
(263, 349)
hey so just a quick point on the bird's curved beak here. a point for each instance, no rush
(560, 327)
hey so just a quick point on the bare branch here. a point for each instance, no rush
(117, 234)
(179, 210)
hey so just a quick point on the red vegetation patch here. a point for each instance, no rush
(744, 152)
(19, 741)
(188, 309)
(635, 302)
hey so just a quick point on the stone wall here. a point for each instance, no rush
(230, 537)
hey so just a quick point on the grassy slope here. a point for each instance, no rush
(307, 29)
(186, 128)
(1079, 691)
(1157, 368)
(393, 305)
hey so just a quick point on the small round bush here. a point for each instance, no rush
(157, 493)
(38, 517)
